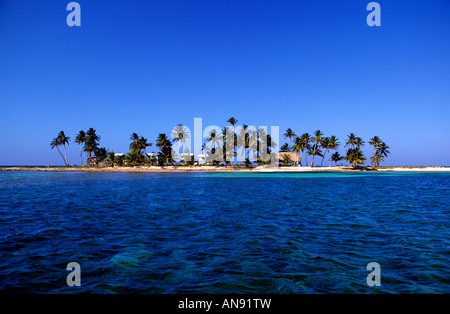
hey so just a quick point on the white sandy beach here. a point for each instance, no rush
(224, 169)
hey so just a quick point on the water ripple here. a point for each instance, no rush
(224, 233)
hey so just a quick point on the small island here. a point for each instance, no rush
(220, 153)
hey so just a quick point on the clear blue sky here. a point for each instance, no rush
(146, 66)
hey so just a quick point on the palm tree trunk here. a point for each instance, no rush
(314, 151)
(81, 156)
(373, 164)
(323, 157)
(300, 158)
(65, 153)
(61, 155)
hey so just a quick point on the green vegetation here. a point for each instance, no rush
(246, 144)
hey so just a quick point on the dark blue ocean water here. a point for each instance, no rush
(224, 232)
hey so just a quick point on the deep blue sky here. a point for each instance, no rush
(146, 66)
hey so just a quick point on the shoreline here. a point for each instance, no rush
(225, 169)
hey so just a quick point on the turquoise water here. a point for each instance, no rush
(224, 232)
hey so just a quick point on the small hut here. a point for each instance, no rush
(293, 156)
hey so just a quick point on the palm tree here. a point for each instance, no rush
(289, 134)
(284, 147)
(100, 154)
(144, 144)
(61, 140)
(355, 156)
(214, 138)
(286, 159)
(243, 140)
(351, 140)
(359, 142)
(298, 147)
(379, 154)
(91, 144)
(252, 144)
(137, 145)
(180, 135)
(306, 138)
(164, 144)
(376, 158)
(132, 159)
(80, 139)
(232, 121)
(314, 152)
(335, 157)
(333, 144)
(120, 160)
(134, 145)
(264, 149)
(384, 149)
(375, 142)
(325, 144)
(316, 139)
(111, 159)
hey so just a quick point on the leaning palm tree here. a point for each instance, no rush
(376, 158)
(381, 152)
(289, 134)
(315, 152)
(61, 140)
(143, 144)
(375, 142)
(316, 140)
(325, 144)
(384, 149)
(80, 139)
(55, 143)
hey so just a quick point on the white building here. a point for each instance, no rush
(186, 157)
(201, 158)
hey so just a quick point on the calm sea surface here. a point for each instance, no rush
(224, 232)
